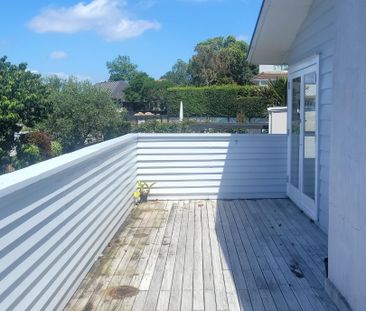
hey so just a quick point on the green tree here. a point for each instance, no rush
(24, 101)
(134, 91)
(221, 61)
(179, 74)
(121, 68)
(80, 110)
(154, 94)
(147, 93)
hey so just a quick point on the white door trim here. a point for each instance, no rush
(309, 206)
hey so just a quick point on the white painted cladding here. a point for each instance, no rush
(213, 166)
(317, 36)
(56, 217)
(347, 215)
(54, 223)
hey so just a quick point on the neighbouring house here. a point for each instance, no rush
(116, 88)
(323, 43)
(269, 73)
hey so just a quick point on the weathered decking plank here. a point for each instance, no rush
(209, 255)
(158, 273)
(198, 297)
(177, 282)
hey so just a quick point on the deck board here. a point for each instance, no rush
(209, 255)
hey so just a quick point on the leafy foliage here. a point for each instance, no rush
(56, 148)
(251, 107)
(154, 126)
(218, 101)
(221, 61)
(24, 101)
(118, 126)
(149, 93)
(179, 74)
(43, 141)
(79, 110)
(27, 154)
(121, 68)
(134, 91)
(142, 191)
(276, 92)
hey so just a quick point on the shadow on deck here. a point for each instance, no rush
(210, 255)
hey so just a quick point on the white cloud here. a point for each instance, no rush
(58, 55)
(109, 18)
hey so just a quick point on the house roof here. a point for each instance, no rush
(270, 75)
(116, 88)
(277, 26)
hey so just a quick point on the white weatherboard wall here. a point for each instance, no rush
(213, 166)
(56, 217)
(317, 36)
(347, 221)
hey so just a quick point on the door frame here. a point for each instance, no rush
(306, 204)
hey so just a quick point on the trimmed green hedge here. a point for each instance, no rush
(218, 101)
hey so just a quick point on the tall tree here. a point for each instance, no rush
(79, 110)
(154, 94)
(147, 93)
(221, 61)
(24, 101)
(178, 74)
(134, 91)
(121, 68)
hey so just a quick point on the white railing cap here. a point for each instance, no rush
(21, 178)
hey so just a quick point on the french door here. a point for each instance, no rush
(303, 139)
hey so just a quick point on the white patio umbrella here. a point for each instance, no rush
(181, 111)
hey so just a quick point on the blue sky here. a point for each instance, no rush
(69, 37)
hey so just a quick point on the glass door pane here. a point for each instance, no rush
(308, 174)
(295, 131)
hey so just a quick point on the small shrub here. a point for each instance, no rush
(27, 155)
(120, 128)
(142, 191)
(154, 126)
(56, 149)
(228, 131)
(43, 141)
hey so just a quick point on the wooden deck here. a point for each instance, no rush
(210, 255)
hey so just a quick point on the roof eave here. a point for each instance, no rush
(277, 26)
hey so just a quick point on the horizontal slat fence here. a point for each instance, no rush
(200, 166)
(56, 217)
(57, 221)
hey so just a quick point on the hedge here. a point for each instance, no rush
(218, 101)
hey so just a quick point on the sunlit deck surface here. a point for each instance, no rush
(210, 255)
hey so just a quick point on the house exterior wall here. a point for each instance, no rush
(317, 36)
(347, 229)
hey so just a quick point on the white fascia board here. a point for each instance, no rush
(277, 26)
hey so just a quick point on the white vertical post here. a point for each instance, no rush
(181, 112)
